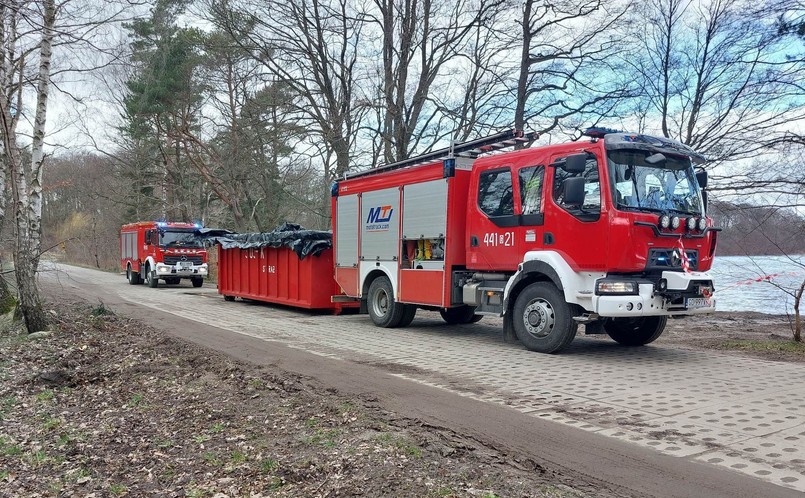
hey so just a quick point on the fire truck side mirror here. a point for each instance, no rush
(701, 178)
(573, 164)
(573, 189)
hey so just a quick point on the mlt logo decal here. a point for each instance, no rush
(378, 219)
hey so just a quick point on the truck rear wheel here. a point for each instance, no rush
(384, 310)
(150, 278)
(542, 320)
(635, 331)
(133, 276)
(459, 315)
(408, 315)
(197, 281)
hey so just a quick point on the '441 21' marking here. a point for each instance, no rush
(505, 239)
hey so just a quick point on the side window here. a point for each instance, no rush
(148, 237)
(590, 210)
(495, 196)
(531, 188)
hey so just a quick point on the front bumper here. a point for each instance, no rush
(164, 270)
(686, 294)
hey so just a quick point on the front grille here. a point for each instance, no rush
(668, 259)
(172, 260)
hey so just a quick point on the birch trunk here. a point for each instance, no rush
(27, 190)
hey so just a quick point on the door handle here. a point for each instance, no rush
(473, 241)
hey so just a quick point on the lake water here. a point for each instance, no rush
(738, 290)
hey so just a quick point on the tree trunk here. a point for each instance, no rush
(797, 315)
(27, 190)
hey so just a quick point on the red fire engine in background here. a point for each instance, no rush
(609, 232)
(154, 250)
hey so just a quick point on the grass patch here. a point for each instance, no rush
(216, 428)
(117, 489)
(201, 438)
(164, 443)
(766, 346)
(269, 465)
(101, 310)
(211, 458)
(237, 457)
(45, 395)
(401, 443)
(6, 405)
(325, 437)
(51, 423)
(137, 401)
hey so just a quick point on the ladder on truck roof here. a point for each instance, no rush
(471, 149)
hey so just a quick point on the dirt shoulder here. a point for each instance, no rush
(108, 407)
(745, 333)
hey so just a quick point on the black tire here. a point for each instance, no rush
(408, 315)
(384, 310)
(133, 276)
(542, 319)
(172, 281)
(197, 281)
(635, 331)
(476, 318)
(229, 298)
(150, 278)
(459, 315)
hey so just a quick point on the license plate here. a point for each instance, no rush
(698, 302)
(184, 265)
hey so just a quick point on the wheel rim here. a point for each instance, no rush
(539, 318)
(380, 303)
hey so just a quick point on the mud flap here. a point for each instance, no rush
(508, 329)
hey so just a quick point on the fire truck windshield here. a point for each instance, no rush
(183, 239)
(669, 186)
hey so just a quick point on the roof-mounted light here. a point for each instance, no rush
(598, 132)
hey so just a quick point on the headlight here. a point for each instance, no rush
(675, 222)
(702, 224)
(163, 269)
(665, 221)
(690, 223)
(615, 287)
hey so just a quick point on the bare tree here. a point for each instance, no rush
(719, 76)
(418, 40)
(567, 63)
(20, 21)
(312, 47)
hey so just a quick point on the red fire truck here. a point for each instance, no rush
(154, 250)
(608, 232)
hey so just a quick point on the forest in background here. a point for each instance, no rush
(239, 114)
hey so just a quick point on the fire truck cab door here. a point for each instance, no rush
(578, 232)
(495, 230)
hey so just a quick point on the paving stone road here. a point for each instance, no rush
(745, 414)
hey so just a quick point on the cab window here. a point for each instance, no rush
(531, 189)
(590, 209)
(495, 193)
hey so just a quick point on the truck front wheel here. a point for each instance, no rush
(542, 320)
(384, 310)
(197, 281)
(150, 278)
(635, 331)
